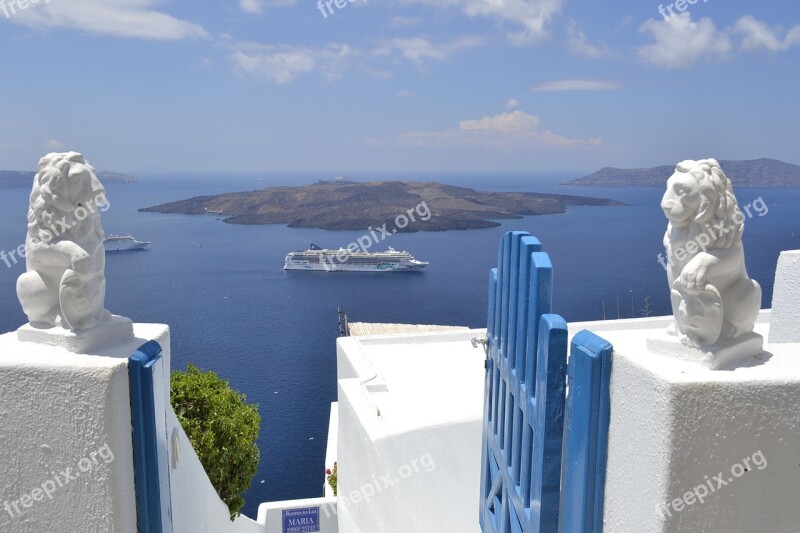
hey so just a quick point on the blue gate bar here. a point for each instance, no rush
(145, 438)
(588, 414)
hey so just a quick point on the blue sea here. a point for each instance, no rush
(233, 310)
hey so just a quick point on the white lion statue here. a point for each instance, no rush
(713, 299)
(65, 282)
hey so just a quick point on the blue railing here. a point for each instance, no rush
(526, 379)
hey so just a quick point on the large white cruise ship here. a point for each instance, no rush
(342, 260)
(123, 243)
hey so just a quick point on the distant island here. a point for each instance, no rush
(755, 173)
(13, 179)
(345, 205)
(106, 176)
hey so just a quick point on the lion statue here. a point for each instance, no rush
(65, 282)
(713, 299)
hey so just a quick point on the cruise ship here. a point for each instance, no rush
(343, 260)
(123, 243)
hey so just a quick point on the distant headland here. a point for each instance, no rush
(347, 205)
(767, 173)
(13, 179)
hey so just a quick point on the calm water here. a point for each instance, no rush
(233, 310)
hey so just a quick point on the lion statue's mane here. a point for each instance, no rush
(50, 199)
(718, 200)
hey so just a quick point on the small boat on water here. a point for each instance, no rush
(124, 243)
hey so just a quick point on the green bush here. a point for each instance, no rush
(222, 428)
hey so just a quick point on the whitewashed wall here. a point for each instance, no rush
(785, 325)
(445, 374)
(675, 426)
(58, 410)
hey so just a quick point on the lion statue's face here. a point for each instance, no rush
(682, 200)
(66, 194)
(700, 196)
(67, 182)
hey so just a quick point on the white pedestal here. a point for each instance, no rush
(59, 411)
(115, 330)
(742, 351)
(680, 433)
(785, 325)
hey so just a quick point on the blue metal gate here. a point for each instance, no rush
(526, 381)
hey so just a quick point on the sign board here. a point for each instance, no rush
(301, 520)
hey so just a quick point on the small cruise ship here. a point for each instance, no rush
(124, 243)
(343, 260)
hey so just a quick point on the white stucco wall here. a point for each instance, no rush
(676, 425)
(410, 422)
(59, 411)
(62, 410)
(786, 299)
(331, 451)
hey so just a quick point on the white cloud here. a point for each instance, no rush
(257, 6)
(504, 132)
(680, 42)
(511, 103)
(284, 63)
(579, 44)
(119, 18)
(54, 144)
(515, 121)
(759, 36)
(252, 6)
(420, 50)
(577, 85)
(532, 16)
(404, 94)
(404, 22)
(625, 23)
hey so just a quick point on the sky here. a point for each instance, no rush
(397, 85)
